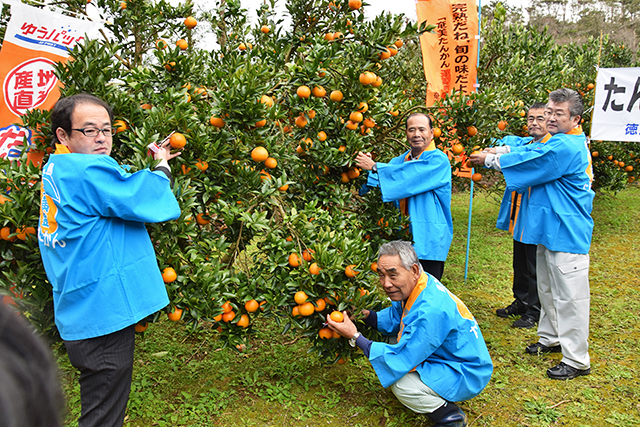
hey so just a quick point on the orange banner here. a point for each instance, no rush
(450, 53)
(35, 39)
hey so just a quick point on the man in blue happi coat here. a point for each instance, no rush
(419, 182)
(97, 253)
(554, 179)
(440, 356)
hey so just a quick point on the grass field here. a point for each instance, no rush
(183, 379)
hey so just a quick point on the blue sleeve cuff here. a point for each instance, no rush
(364, 345)
(372, 320)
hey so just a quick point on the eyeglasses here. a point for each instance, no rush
(93, 132)
(557, 114)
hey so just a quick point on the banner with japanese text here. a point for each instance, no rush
(450, 53)
(34, 41)
(616, 109)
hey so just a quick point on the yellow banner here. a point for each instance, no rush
(450, 53)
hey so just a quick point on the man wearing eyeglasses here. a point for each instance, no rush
(555, 182)
(97, 253)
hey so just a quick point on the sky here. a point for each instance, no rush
(374, 8)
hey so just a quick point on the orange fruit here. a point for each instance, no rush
(322, 136)
(377, 82)
(301, 121)
(303, 91)
(374, 267)
(123, 5)
(590, 86)
(175, 315)
(227, 307)
(356, 117)
(342, 148)
(217, 122)
(23, 232)
(367, 78)
(202, 165)
(344, 178)
(259, 154)
(502, 125)
(321, 304)
(267, 100)
(307, 255)
(476, 177)
(336, 96)
(311, 114)
(294, 260)
(283, 188)
(300, 297)
(146, 106)
(314, 269)
(351, 125)
(322, 72)
(242, 46)
(264, 175)
(337, 35)
(161, 44)
(385, 54)
(472, 131)
(325, 333)
(398, 43)
(260, 123)
(169, 67)
(169, 275)
(355, 4)
(202, 220)
(265, 29)
(295, 312)
(182, 44)
(190, 22)
(244, 321)
(306, 309)
(457, 149)
(328, 37)
(369, 123)
(251, 306)
(120, 126)
(141, 327)
(393, 49)
(394, 113)
(350, 272)
(271, 163)
(363, 292)
(177, 140)
(5, 232)
(319, 92)
(337, 317)
(228, 317)
(218, 318)
(363, 107)
(353, 173)
(595, 154)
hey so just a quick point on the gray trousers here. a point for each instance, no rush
(563, 288)
(416, 395)
(106, 366)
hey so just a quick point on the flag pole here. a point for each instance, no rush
(466, 262)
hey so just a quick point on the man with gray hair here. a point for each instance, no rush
(555, 180)
(440, 356)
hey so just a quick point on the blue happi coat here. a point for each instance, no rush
(438, 337)
(94, 245)
(425, 183)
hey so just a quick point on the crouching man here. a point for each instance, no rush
(440, 357)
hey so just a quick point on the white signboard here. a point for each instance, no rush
(616, 111)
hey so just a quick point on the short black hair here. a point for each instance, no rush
(64, 108)
(31, 394)
(537, 106)
(406, 123)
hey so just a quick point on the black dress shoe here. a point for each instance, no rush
(524, 322)
(537, 348)
(512, 309)
(456, 419)
(562, 371)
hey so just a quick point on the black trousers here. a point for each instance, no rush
(106, 367)
(525, 286)
(434, 268)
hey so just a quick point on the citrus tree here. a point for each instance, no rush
(269, 121)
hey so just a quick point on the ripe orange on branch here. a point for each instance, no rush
(182, 44)
(350, 272)
(294, 260)
(502, 125)
(259, 154)
(319, 92)
(336, 96)
(244, 321)
(251, 306)
(306, 309)
(175, 315)
(177, 140)
(265, 29)
(325, 333)
(367, 78)
(169, 275)
(300, 297)
(217, 122)
(190, 22)
(337, 317)
(303, 92)
(355, 4)
(314, 269)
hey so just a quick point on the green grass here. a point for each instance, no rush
(183, 379)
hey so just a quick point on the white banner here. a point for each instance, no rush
(616, 110)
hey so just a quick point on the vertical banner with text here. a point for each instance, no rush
(450, 54)
(34, 41)
(616, 109)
